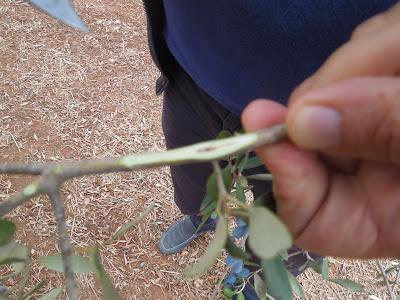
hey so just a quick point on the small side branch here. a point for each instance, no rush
(20, 198)
(220, 179)
(31, 169)
(64, 243)
(386, 280)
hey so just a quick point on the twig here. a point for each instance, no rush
(261, 177)
(64, 243)
(15, 142)
(18, 199)
(32, 169)
(396, 281)
(220, 179)
(201, 152)
(217, 288)
(53, 175)
(385, 278)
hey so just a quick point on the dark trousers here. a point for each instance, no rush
(190, 116)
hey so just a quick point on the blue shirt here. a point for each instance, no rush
(239, 50)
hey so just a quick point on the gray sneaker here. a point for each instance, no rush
(180, 234)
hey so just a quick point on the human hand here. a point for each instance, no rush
(338, 183)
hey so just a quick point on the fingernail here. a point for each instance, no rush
(316, 127)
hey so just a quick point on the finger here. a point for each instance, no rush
(358, 118)
(378, 23)
(300, 179)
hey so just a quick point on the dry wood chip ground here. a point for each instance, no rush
(65, 95)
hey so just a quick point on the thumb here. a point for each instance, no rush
(358, 118)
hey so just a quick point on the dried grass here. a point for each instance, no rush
(69, 96)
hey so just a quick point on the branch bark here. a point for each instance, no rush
(64, 243)
(53, 175)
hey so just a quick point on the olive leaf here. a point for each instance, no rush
(7, 231)
(109, 291)
(348, 284)
(52, 295)
(132, 223)
(212, 252)
(79, 264)
(276, 278)
(268, 236)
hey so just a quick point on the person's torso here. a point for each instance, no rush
(239, 50)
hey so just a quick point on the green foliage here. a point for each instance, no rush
(132, 223)
(348, 284)
(212, 186)
(240, 195)
(267, 234)
(212, 252)
(224, 134)
(109, 292)
(235, 251)
(228, 293)
(253, 162)
(79, 264)
(260, 287)
(52, 295)
(325, 268)
(296, 286)
(13, 253)
(276, 278)
(7, 231)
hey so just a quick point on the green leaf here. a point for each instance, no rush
(2, 297)
(13, 253)
(348, 284)
(20, 251)
(267, 234)
(253, 162)
(240, 195)
(235, 251)
(212, 252)
(228, 293)
(296, 286)
(52, 295)
(109, 291)
(261, 177)
(206, 202)
(325, 268)
(79, 264)
(240, 296)
(276, 277)
(132, 223)
(208, 207)
(260, 287)
(212, 186)
(321, 267)
(224, 134)
(7, 231)
(242, 161)
(284, 254)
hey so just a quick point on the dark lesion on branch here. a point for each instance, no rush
(53, 175)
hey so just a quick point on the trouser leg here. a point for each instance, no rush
(191, 116)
